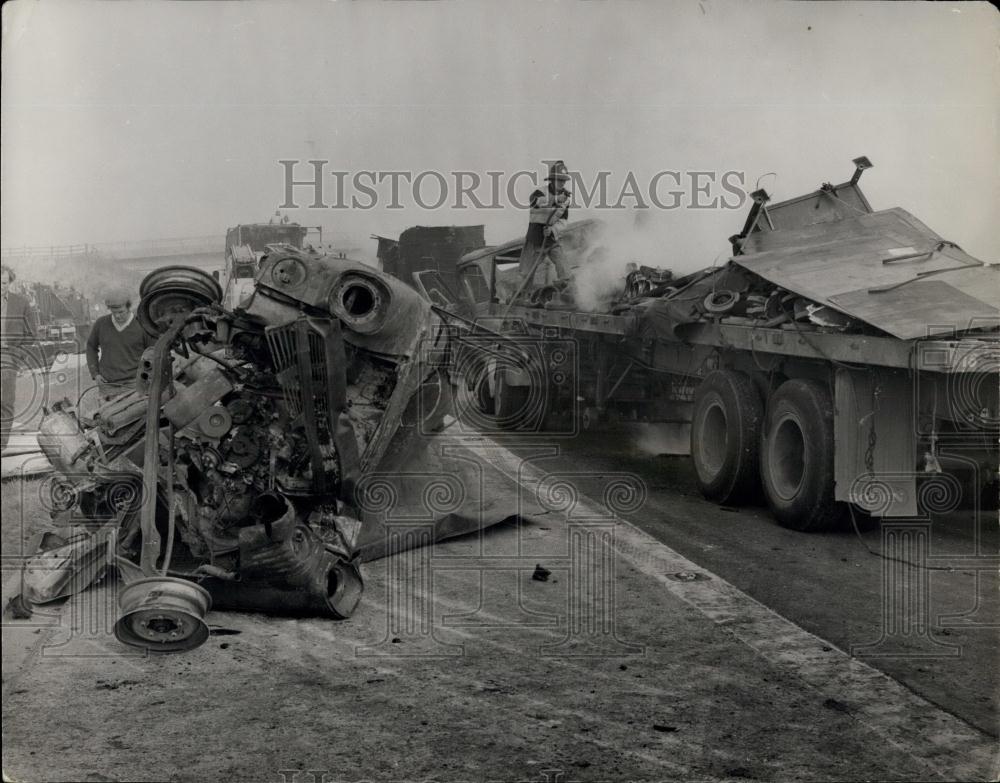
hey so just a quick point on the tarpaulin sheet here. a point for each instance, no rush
(436, 481)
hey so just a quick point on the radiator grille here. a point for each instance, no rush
(283, 342)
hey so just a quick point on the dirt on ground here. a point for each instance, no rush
(459, 665)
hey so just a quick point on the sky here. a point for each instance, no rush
(131, 121)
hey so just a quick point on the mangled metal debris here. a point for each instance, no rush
(234, 474)
(831, 323)
(825, 260)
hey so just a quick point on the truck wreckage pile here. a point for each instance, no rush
(843, 358)
(269, 418)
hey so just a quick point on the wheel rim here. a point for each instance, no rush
(189, 277)
(163, 614)
(787, 458)
(172, 291)
(713, 439)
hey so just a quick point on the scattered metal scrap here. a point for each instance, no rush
(233, 473)
(826, 363)
(825, 261)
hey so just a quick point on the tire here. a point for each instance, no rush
(725, 437)
(173, 290)
(797, 457)
(509, 403)
(481, 395)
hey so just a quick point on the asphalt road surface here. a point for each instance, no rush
(830, 584)
(672, 639)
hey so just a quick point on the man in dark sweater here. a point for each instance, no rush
(115, 347)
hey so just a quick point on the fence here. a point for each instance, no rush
(121, 250)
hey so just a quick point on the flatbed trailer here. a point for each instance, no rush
(863, 414)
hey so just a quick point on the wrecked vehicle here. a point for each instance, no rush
(429, 251)
(238, 472)
(842, 358)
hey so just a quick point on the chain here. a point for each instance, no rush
(872, 434)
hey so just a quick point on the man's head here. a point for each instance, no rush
(120, 305)
(558, 175)
(7, 277)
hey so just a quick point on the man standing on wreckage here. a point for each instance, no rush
(292, 431)
(547, 219)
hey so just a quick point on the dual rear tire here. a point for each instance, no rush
(725, 435)
(739, 450)
(796, 461)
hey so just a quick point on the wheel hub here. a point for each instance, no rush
(163, 614)
(787, 458)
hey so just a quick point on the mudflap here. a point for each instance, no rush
(874, 432)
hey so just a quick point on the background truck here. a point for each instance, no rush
(64, 321)
(245, 244)
(843, 357)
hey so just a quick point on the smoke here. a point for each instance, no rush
(92, 275)
(639, 238)
(657, 439)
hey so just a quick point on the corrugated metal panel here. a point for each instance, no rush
(843, 264)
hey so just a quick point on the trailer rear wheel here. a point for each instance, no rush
(510, 403)
(797, 457)
(481, 394)
(725, 436)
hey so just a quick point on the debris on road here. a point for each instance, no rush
(688, 576)
(243, 471)
(63, 566)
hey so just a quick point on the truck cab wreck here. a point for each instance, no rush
(235, 472)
